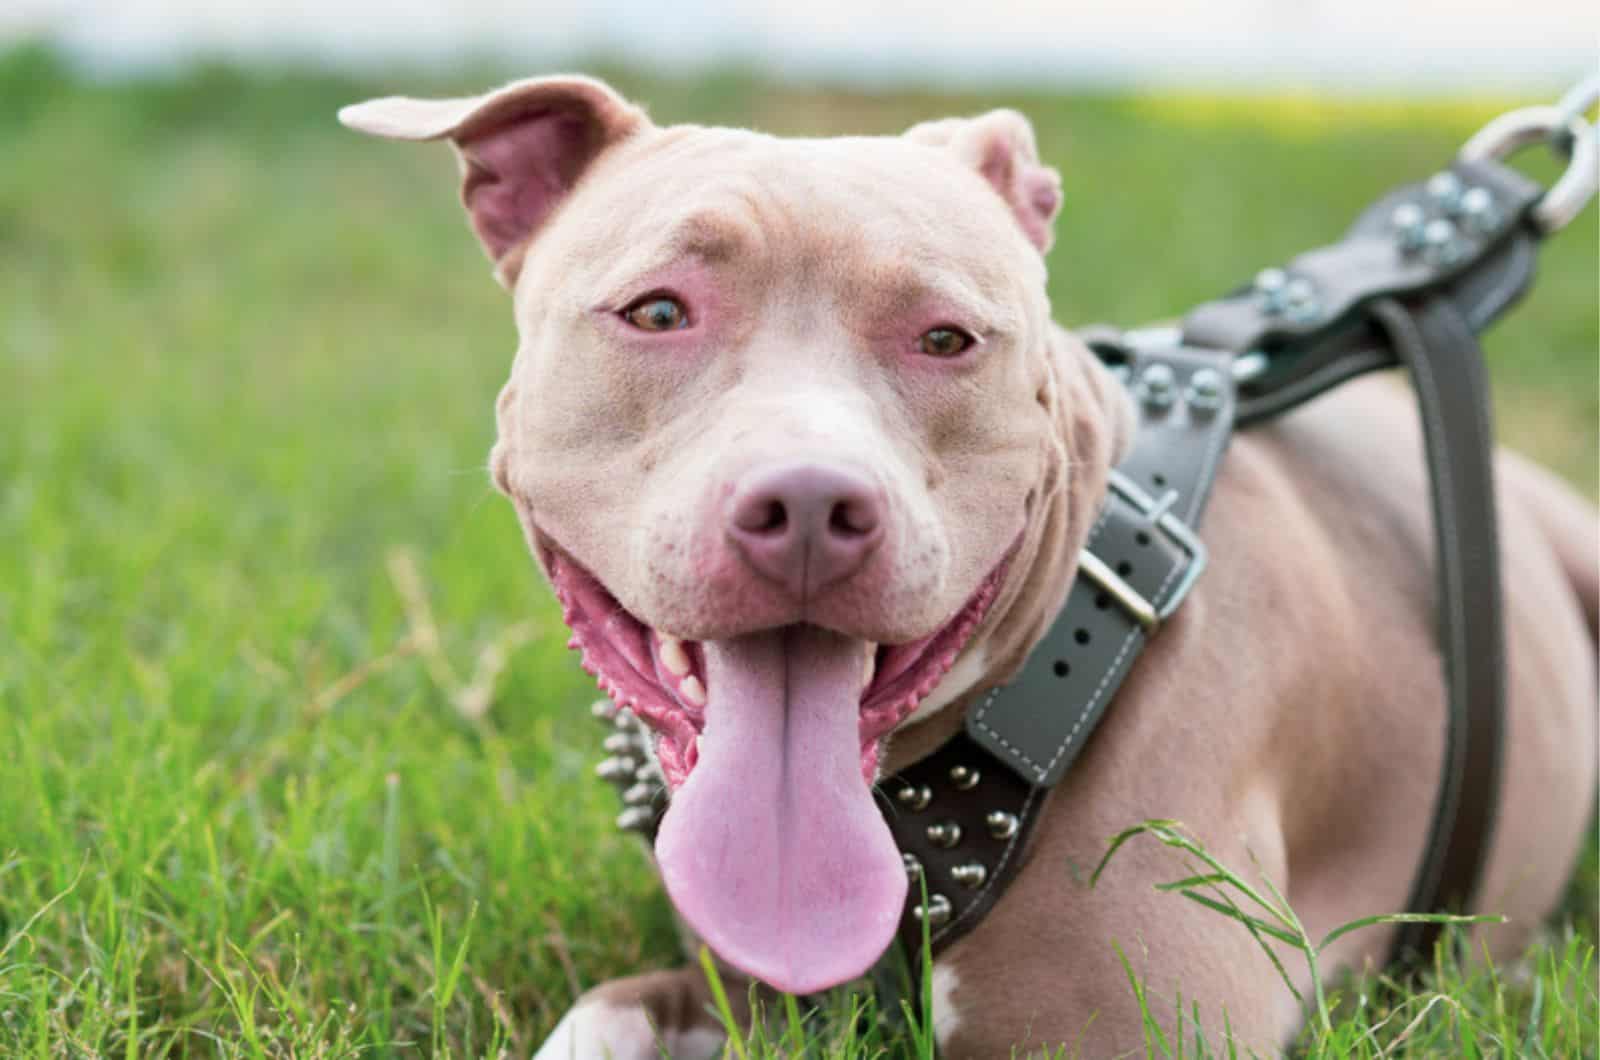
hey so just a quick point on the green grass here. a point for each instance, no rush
(267, 787)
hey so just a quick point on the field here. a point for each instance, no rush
(295, 760)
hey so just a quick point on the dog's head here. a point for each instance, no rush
(788, 425)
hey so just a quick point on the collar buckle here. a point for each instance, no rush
(1157, 513)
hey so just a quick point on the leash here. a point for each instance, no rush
(1418, 275)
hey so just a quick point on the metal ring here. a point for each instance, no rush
(1530, 125)
(1574, 103)
(1579, 98)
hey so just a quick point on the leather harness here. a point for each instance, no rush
(1413, 281)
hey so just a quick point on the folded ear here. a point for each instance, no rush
(522, 149)
(1000, 146)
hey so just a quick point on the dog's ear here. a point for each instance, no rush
(522, 149)
(1000, 146)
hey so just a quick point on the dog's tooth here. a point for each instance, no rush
(869, 666)
(673, 657)
(693, 690)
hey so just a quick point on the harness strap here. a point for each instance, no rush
(1447, 370)
(1467, 234)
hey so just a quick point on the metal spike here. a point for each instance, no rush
(1407, 221)
(1157, 385)
(1205, 390)
(1002, 825)
(641, 794)
(1478, 211)
(636, 819)
(1445, 190)
(944, 834)
(617, 769)
(969, 874)
(964, 777)
(937, 913)
(915, 798)
(1269, 289)
(1300, 301)
(1439, 245)
(913, 866)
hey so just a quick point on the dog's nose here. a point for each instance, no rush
(806, 525)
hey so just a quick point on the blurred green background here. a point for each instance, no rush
(253, 580)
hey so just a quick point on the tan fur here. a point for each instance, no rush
(1291, 714)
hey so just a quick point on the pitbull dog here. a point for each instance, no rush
(794, 438)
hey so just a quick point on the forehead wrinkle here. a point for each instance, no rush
(898, 288)
(711, 235)
(714, 235)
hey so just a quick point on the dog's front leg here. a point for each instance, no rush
(643, 1017)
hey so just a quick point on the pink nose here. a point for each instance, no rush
(804, 525)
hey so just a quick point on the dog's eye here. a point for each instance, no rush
(657, 312)
(945, 342)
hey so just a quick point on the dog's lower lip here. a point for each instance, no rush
(661, 677)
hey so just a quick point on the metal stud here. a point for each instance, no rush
(1478, 212)
(1269, 290)
(636, 819)
(1157, 385)
(913, 867)
(964, 778)
(1249, 366)
(1205, 390)
(618, 743)
(969, 874)
(617, 769)
(641, 794)
(937, 913)
(1439, 244)
(914, 798)
(1407, 221)
(944, 834)
(1002, 825)
(1300, 301)
(602, 710)
(1445, 189)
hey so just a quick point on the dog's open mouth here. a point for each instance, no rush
(662, 679)
(772, 847)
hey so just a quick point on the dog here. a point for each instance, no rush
(794, 438)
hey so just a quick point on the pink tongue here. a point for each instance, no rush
(773, 850)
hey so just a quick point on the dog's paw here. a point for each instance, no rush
(600, 1029)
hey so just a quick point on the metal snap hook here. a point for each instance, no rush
(1530, 125)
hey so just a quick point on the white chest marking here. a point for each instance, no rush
(599, 1030)
(945, 1017)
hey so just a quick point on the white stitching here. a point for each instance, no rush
(1127, 642)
